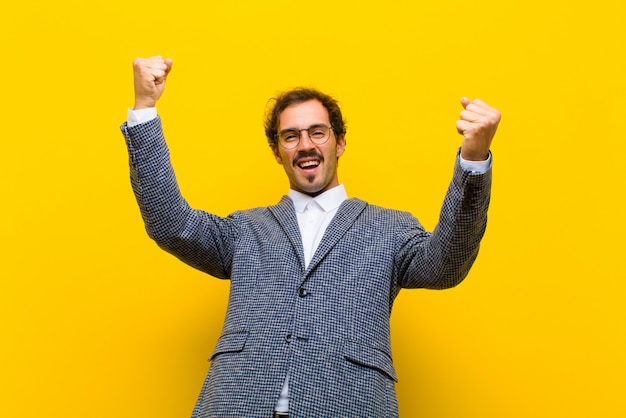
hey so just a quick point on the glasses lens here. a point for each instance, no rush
(319, 134)
(289, 138)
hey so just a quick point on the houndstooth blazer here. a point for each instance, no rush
(326, 326)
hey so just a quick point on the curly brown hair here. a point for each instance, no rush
(301, 95)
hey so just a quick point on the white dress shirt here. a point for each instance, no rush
(314, 214)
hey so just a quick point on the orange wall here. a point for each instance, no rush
(97, 321)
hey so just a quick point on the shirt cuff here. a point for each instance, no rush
(136, 117)
(476, 167)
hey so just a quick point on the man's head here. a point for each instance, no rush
(306, 132)
(296, 96)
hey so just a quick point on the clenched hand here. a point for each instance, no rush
(150, 75)
(478, 125)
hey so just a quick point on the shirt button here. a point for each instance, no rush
(302, 292)
(288, 338)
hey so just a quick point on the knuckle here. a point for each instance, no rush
(495, 117)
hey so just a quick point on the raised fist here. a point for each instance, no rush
(150, 75)
(478, 124)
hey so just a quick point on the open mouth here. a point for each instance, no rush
(308, 161)
(308, 164)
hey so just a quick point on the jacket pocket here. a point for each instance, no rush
(230, 342)
(369, 356)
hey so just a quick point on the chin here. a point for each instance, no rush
(311, 190)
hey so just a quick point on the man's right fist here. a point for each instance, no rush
(150, 74)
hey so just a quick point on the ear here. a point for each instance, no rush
(277, 156)
(341, 145)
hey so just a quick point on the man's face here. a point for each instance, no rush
(311, 168)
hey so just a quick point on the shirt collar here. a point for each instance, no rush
(329, 200)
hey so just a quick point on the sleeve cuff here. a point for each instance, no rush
(137, 117)
(476, 167)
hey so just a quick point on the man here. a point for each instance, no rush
(314, 277)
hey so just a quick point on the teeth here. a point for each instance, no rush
(309, 164)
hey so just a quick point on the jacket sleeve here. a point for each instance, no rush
(443, 259)
(202, 240)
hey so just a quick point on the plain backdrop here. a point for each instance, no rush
(97, 321)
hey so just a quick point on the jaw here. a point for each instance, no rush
(311, 181)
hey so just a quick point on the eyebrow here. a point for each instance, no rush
(315, 125)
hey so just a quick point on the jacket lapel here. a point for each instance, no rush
(285, 214)
(348, 212)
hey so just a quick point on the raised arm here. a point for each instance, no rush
(442, 259)
(198, 238)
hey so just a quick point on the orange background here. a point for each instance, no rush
(97, 321)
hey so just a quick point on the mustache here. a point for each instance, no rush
(307, 154)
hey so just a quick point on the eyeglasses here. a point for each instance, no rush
(290, 138)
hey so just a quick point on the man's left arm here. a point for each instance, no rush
(444, 258)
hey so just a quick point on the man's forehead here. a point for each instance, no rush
(308, 113)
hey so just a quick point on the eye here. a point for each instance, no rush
(289, 136)
(318, 132)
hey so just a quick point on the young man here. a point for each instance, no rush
(314, 277)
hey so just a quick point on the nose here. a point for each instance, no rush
(305, 142)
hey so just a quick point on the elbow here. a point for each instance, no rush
(451, 272)
(166, 237)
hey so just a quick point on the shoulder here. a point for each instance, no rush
(385, 217)
(262, 213)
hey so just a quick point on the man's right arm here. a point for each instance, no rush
(198, 238)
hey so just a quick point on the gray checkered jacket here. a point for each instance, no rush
(327, 325)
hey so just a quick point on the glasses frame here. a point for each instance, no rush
(317, 125)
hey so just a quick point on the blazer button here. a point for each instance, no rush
(303, 292)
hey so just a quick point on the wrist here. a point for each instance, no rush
(143, 104)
